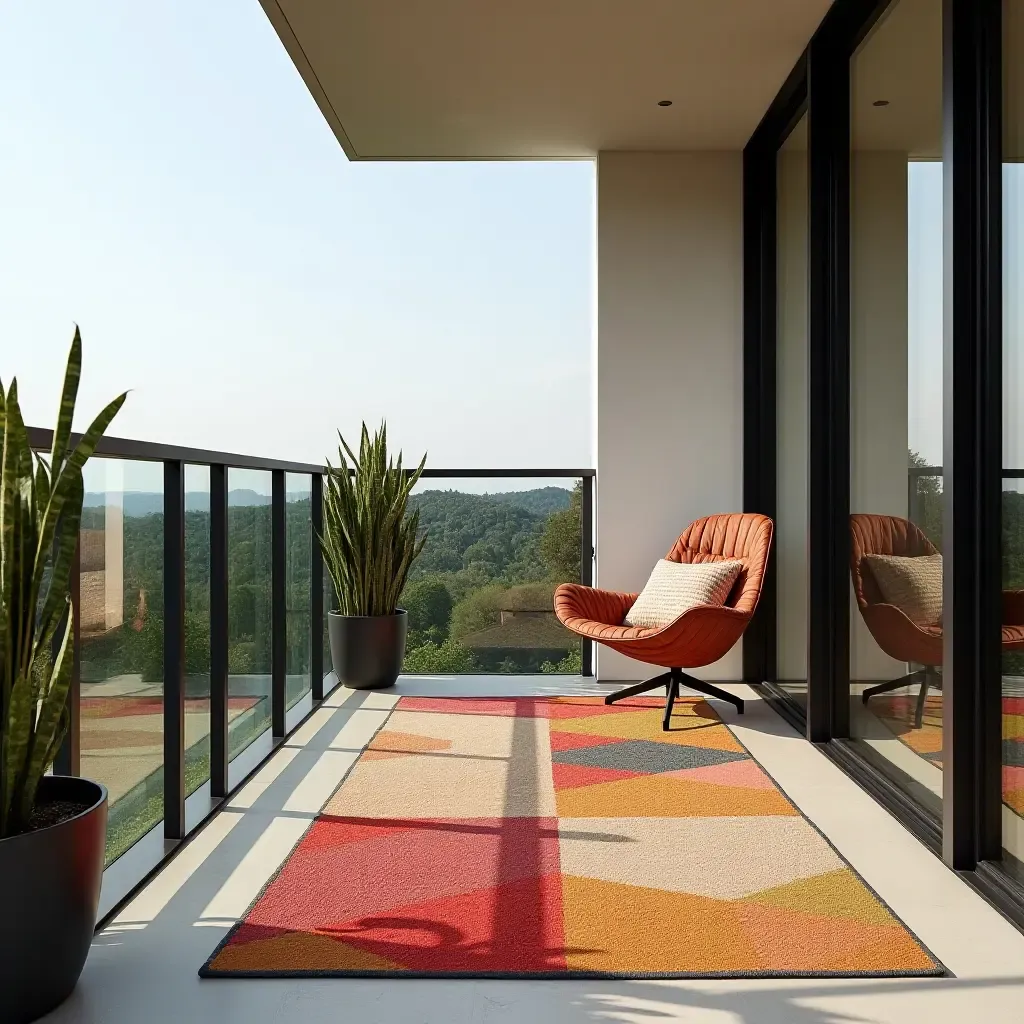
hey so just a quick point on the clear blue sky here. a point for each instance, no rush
(925, 312)
(168, 183)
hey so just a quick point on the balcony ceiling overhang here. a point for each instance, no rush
(541, 79)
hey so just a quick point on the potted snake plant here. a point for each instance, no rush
(52, 827)
(369, 543)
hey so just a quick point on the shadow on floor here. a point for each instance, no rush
(145, 969)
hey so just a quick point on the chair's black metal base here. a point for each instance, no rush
(928, 677)
(672, 680)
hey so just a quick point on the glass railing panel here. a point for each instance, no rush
(121, 624)
(197, 627)
(249, 606)
(480, 597)
(298, 562)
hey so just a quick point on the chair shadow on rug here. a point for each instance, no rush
(699, 636)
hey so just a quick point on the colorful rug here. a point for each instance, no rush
(898, 710)
(556, 838)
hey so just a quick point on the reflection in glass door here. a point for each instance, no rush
(896, 392)
(1012, 691)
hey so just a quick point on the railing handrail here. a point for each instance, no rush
(1012, 473)
(153, 451)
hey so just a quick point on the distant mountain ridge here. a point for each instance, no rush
(147, 503)
(539, 502)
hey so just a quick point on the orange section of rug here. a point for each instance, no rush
(569, 839)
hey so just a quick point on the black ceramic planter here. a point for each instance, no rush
(367, 650)
(50, 891)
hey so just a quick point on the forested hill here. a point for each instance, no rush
(542, 501)
(477, 538)
(148, 503)
(497, 532)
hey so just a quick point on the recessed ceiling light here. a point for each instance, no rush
(880, 103)
(664, 103)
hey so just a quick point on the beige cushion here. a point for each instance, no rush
(676, 587)
(914, 585)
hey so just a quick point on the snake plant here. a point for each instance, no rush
(40, 509)
(369, 542)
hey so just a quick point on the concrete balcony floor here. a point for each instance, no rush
(143, 965)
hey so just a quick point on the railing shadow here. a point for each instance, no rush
(186, 905)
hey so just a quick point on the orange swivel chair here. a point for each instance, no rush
(697, 637)
(893, 630)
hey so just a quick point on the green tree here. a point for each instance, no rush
(463, 582)
(529, 597)
(926, 500)
(438, 659)
(477, 611)
(429, 605)
(197, 643)
(570, 665)
(485, 555)
(560, 541)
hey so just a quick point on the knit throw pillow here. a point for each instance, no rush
(914, 584)
(676, 587)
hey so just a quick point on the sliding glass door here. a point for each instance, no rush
(1012, 683)
(896, 398)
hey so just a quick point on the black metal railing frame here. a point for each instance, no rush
(174, 460)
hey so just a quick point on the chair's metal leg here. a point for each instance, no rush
(673, 692)
(711, 691)
(648, 684)
(894, 684)
(922, 695)
(671, 680)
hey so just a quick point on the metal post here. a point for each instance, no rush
(828, 367)
(278, 603)
(972, 433)
(316, 588)
(759, 384)
(219, 746)
(587, 552)
(69, 758)
(174, 650)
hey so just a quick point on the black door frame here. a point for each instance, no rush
(968, 836)
(760, 315)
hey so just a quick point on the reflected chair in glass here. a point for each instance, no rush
(892, 629)
(699, 636)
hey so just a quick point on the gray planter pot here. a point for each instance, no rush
(50, 891)
(367, 650)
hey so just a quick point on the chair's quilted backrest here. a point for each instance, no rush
(742, 536)
(881, 535)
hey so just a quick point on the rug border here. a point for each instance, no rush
(938, 970)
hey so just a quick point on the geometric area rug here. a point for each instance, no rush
(560, 837)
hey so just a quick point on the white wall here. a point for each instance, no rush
(878, 364)
(669, 362)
